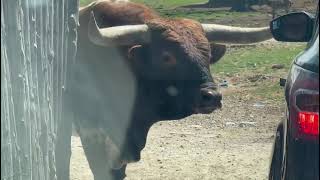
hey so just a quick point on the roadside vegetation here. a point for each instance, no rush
(169, 4)
(168, 8)
(255, 71)
(258, 59)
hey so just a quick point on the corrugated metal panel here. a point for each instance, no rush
(38, 45)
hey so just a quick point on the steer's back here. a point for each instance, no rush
(115, 13)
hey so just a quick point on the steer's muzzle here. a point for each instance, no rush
(209, 101)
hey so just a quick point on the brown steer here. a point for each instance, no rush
(135, 68)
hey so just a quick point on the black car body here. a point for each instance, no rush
(296, 148)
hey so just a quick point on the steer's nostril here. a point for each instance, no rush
(210, 97)
(207, 97)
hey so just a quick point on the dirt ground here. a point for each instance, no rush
(232, 143)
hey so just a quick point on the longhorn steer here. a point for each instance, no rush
(135, 68)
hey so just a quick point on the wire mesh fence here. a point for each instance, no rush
(38, 45)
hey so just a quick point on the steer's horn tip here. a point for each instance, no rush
(92, 21)
(93, 28)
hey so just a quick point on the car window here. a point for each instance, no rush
(310, 58)
(316, 29)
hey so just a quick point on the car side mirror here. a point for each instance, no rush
(282, 82)
(293, 27)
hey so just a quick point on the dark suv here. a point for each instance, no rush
(296, 147)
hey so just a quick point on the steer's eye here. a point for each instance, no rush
(168, 59)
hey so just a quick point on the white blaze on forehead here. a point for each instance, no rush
(172, 91)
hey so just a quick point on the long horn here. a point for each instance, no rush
(117, 35)
(236, 35)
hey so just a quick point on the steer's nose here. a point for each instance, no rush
(210, 98)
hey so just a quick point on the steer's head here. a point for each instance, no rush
(174, 69)
(171, 60)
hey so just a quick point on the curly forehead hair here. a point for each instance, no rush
(187, 33)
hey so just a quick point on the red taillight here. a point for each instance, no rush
(306, 113)
(309, 123)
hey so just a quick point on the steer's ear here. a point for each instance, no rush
(137, 55)
(135, 52)
(217, 52)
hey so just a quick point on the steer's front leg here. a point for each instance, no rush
(95, 150)
(119, 174)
